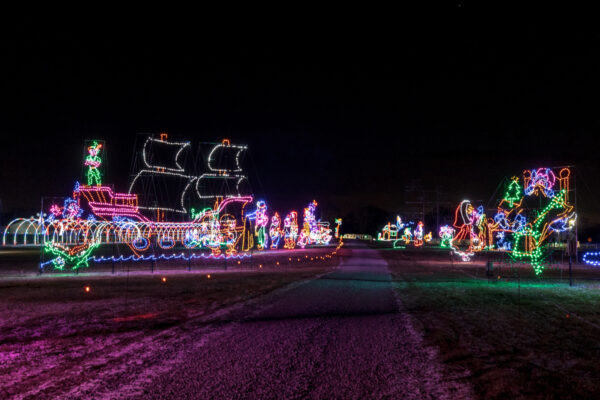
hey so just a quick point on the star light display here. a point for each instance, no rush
(70, 236)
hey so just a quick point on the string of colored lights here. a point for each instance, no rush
(592, 258)
(156, 257)
(77, 256)
(528, 241)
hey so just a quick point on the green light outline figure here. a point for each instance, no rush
(93, 162)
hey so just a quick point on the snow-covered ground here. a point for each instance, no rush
(58, 340)
(344, 336)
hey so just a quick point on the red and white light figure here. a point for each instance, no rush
(290, 230)
(463, 222)
(324, 235)
(275, 231)
(418, 236)
(309, 231)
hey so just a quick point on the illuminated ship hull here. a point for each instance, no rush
(213, 228)
(106, 204)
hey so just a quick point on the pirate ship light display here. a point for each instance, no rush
(153, 219)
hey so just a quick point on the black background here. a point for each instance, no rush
(347, 115)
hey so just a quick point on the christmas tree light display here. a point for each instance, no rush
(513, 192)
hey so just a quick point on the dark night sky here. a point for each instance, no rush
(348, 117)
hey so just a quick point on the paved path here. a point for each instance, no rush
(340, 336)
